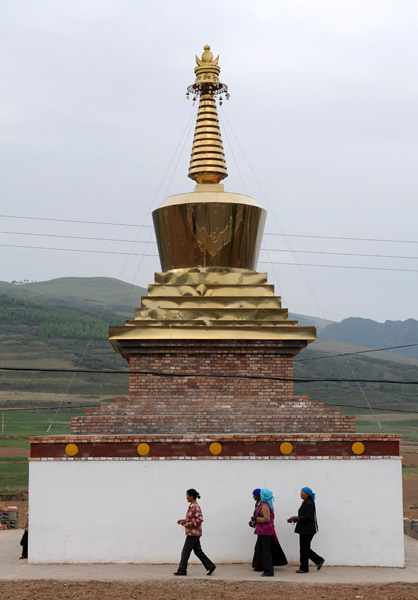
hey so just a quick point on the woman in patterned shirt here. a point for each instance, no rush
(193, 529)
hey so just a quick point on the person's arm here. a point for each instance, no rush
(265, 514)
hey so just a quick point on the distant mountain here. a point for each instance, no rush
(303, 321)
(116, 294)
(371, 334)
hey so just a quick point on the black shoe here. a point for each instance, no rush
(20, 557)
(211, 570)
(177, 573)
(265, 574)
(320, 564)
(300, 571)
(257, 569)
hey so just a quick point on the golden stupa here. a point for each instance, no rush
(208, 242)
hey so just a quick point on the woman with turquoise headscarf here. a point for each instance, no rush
(306, 527)
(264, 529)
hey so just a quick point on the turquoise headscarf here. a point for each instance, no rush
(310, 493)
(266, 495)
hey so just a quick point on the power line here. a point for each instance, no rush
(75, 237)
(77, 250)
(397, 410)
(206, 375)
(264, 262)
(74, 221)
(320, 237)
(40, 408)
(342, 253)
(101, 239)
(351, 239)
(261, 262)
(356, 352)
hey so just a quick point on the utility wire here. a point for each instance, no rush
(261, 262)
(264, 262)
(364, 254)
(101, 239)
(245, 190)
(206, 375)
(130, 253)
(74, 221)
(297, 360)
(76, 237)
(78, 250)
(320, 237)
(363, 393)
(351, 239)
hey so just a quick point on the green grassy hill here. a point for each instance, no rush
(87, 291)
(334, 360)
(49, 325)
(63, 331)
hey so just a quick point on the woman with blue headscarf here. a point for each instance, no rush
(264, 529)
(306, 527)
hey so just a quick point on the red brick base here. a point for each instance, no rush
(217, 386)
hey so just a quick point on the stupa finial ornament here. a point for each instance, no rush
(207, 163)
(207, 57)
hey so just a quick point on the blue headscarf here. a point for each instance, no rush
(266, 495)
(257, 492)
(310, 493)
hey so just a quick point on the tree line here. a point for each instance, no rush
(49, 323)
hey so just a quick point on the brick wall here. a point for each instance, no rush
(216, 399)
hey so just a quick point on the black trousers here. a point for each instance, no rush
(24, 544)
(263, 553)
(193, 543)
(306, 553)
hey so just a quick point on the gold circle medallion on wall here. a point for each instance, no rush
(358, 448)
(71, 449)
(286, 448)
(143, 449)
(215, 448)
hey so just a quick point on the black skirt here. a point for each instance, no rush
(279, 557)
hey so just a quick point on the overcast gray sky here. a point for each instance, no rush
(321, 129)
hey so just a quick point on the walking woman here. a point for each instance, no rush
(193, 529)
(264, 529)
(306, 527)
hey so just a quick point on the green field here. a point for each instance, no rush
(406, 427)
(27, 424)
(13, 476)
(19, 426)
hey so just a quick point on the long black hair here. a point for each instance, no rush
(194, 493)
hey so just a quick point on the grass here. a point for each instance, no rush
(36, 424)
(409, 472)
(14, 471)
(408, 428)
(14, 442)
(14, 477)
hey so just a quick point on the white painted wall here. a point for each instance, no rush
(126, 511)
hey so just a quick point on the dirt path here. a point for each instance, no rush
(201, 590)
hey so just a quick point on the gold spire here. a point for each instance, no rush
(207, 162)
